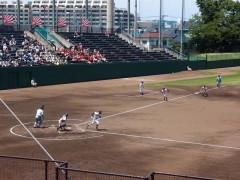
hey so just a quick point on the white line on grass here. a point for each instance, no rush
(28, 131)
(169, 140)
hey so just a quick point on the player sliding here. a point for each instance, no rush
(95, 119)
(204, 90)
(62, 122)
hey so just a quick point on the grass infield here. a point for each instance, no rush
(227, 79)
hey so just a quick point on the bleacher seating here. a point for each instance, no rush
(8, 35)
(18, 35)
(114, 48)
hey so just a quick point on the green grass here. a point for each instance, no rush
(227, 79)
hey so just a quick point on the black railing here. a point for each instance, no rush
(12, 167)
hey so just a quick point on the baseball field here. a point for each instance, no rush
(189, 134)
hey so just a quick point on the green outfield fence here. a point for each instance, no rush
(214, 57)
(20, 77)
(16, 168)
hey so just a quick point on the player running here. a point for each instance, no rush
(95, 119)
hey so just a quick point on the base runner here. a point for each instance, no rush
(95, 119)
(62, 122)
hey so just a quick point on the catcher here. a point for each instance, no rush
(62, 122)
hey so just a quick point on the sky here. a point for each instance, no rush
(150, 9)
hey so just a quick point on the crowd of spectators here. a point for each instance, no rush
(31, 53)
(77, 53)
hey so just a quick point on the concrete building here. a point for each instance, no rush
(72, 10)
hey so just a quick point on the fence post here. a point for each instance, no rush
(56, 169)
(46, 169)
(151, 175)
(66, 171)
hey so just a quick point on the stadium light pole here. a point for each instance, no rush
(160, 26)
(135, 22)
(183, 9)
(128, 16)
(86, 13)
(2, 16)
(76, 21)
(44, 8)
(54, 15)
(68, 13)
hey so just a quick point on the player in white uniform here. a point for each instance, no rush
(33, 83)
(219, 81)
(165, 93)
(204, 90)
(39, 117)
(141, 88)
(62, 122)
(95, 118)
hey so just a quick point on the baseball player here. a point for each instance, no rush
(219, 81)
(39, 117)
(204, 90)
(141, 88)
(95, 118)
(62, 122)
(33, 83)
(165, 93)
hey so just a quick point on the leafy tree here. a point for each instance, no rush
(217, 27)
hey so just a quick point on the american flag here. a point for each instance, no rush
(84, 23)
(36, 21)
(7, 19)
(62, 22)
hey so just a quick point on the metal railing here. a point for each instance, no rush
(12, 167)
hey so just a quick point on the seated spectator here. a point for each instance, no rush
(76, 34)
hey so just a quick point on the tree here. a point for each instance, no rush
(217, 27)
